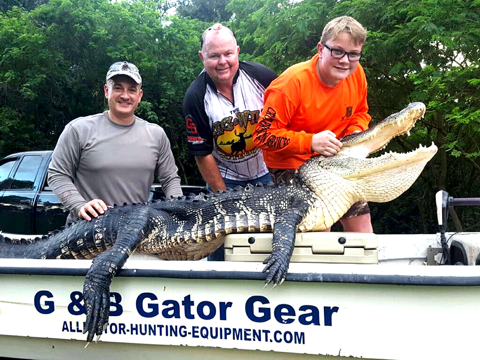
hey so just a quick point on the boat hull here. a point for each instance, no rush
(360, 311)
(392, 307)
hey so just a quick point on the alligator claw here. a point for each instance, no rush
(97, 305)
(277, 268)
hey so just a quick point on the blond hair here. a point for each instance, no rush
(344, 24)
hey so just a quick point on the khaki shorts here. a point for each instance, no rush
(280, 176)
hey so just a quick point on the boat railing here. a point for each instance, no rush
(458, 253)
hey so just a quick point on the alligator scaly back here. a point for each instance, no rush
(198, 224)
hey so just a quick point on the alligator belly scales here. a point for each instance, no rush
(190, 228)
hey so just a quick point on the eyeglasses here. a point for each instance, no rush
(339, 53)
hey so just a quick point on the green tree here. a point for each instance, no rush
(6, 5)
(27, 74)
(209, 11)
(279, 33)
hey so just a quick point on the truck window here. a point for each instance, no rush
(5, 170)
(26, 173)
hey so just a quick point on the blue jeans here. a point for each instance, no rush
(219, 254)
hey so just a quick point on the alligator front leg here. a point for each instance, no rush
(283, 243)
(96, 289)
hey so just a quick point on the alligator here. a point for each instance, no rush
(190, 228)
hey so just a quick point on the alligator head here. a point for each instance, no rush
(358, 178)
(360, 145)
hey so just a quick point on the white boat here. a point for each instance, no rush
(347, 295)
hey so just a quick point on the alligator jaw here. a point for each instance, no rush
(378, 179)
(392, 174)
(360, 145)
(391, 160)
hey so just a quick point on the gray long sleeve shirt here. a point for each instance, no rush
(96, 158)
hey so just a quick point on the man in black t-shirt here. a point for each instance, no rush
(221, 108)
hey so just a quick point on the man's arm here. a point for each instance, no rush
(209, 169)
(199, 135)
(272, 131)
(61, 175)
(166, 170)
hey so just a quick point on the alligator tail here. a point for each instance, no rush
(20, 248)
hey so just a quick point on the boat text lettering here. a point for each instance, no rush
(257, 308)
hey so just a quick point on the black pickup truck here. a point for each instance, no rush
(28, 205)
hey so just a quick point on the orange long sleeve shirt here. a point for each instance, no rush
(298, 105)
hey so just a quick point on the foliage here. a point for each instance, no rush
(6, 5)
(210, 11)
(280, 33)
(54, 56)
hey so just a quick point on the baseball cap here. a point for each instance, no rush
(124, 68)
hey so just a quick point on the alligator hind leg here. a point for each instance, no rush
(283, 243)
(96, 289)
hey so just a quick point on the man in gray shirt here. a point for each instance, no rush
(112, 157)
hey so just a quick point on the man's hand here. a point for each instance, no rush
(326, 143)
(209, 169)
(93, 208)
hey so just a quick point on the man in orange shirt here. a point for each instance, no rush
(313, 104)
